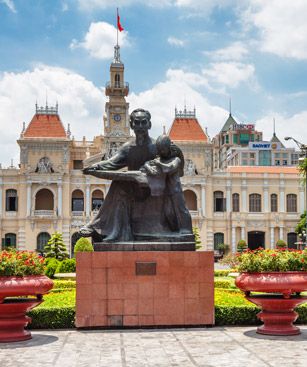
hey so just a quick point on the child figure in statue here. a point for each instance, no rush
(167, 168)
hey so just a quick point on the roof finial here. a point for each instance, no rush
(23, 127)
(46, 98)
(68, 132)
(274, 132)
(229, 106)
(164, 131)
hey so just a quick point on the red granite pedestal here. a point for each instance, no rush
(145, 288)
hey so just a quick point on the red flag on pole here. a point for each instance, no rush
(119, 26)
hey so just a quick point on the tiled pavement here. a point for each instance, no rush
(218, 346)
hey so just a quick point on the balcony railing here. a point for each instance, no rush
(44, 213)
(77, 213)
(117, 85)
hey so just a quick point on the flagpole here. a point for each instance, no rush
(117, 25)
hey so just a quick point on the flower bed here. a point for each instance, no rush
(20, 263)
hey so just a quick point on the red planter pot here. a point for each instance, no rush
(13, 317)
(277, 312)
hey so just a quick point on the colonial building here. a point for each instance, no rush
(48, 192)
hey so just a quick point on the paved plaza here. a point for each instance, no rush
(218, 346)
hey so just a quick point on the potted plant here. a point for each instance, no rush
(21, 275)
(241, 245)
(280, 273)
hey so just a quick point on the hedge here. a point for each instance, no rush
(63, 318)
(222, 273)
(52, 318)
(223, 283)
(63, 285)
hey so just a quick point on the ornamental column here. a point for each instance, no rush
(203, 200)
(29, 198)
(233, 239)
(301, 200)
(60, 198)
(281, 233)
(242, 233)
(244, 195)
(272, 238)
(228, 196)
(282, 195)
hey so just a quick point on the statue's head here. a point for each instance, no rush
(163, 144)
(140, 120)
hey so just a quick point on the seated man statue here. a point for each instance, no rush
(142, 203)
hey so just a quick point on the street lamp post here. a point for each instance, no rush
(303, 149)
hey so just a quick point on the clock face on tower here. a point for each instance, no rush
(117, 117)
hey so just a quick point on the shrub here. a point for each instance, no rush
(83, 245)
(222, 283)
(56, 248)
(51, 267)
(281, 244)
(52, 318)
(223, 247)
(20, 263)
(60, 285)
(197, 238)
(67, 266)
(241, 245)
(222, 273)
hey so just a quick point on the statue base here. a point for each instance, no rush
(144, 289)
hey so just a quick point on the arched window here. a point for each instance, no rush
(291, 240)
(274, 203)
(291, 203)
(255, 203)
(97, 199)
(219, 201)
(44, 200)
(235, 202)
(77, 201)
(11, 200)
(10, 240)
(190, 199)
(41, 241)
(218, 239)
(117, 80)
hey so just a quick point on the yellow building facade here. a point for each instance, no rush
(49, 193)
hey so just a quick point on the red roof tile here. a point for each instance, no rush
(187, 129)
(45, 126)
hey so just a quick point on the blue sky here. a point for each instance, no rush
(197, 51)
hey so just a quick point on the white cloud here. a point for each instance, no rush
(162, 98)
(230, 74)
(285, 125)
(80, 104)
(100, 40)
(90, 5)
(282, 26)
(235, 52)
(10, 4)
(175, 41)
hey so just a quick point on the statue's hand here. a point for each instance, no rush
(89, 170)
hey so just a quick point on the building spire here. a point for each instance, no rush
(229, 106)
(274, 131)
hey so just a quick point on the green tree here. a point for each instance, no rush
(83, 244)
(56, 248)
(197, 238)
(301, 226)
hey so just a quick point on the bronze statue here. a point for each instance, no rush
(146, 202)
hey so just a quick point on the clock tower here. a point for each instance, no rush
(116, 118)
